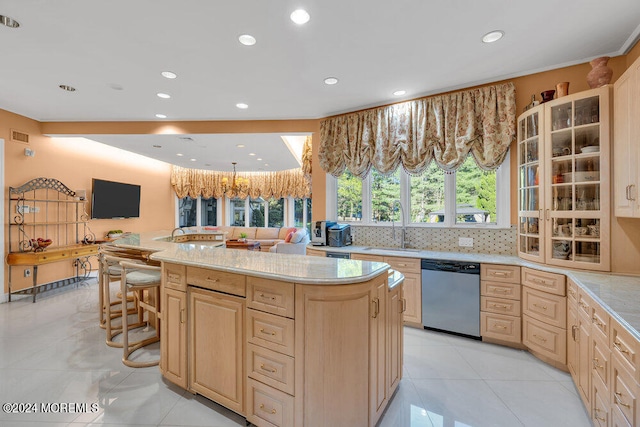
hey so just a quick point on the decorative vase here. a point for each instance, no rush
(600, 73)
(562, 89)
(547, 95)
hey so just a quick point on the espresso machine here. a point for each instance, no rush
(320, 233)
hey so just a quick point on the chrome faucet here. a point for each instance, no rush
(174, 232)
(403, 228)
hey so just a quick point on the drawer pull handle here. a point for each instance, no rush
(376, 309)
(597, 322)
(272, 411)
(404, 305)
(543, 339)
(264, 368)
(209, 279)
(500, 273)
(182, 317)
(267, 332)
(267, 297)
(618, 396)
(499, 290)
(595, 364)
(544, 307)
(499, 306)
(583, 305)
(500, 326)
(402, 265)
(618, 346)
(596, 411)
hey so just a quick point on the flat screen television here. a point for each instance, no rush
(111, 199)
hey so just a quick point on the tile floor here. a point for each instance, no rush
(54, 352)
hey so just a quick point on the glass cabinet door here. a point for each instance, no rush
(577, 163)
(530, 175)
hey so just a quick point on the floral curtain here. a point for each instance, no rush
(205, 183)
(445, 128)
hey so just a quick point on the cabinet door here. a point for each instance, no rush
(572, 341)
(378, 373)
(216, 347)
(584, 362)
(531, 225)
(173, 337)
(395, 306)
(624, 123)
(413, 297)
(577, 184)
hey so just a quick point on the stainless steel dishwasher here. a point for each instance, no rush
(451, 296)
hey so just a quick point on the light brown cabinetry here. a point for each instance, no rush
(626, 150)
(216, 347)
(395, 342)
(173, 333)
(315, 252)
(410, 268)
(544, 316)
(500, 305)
(563, 181)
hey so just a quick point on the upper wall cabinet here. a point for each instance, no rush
(626, 146)
(563, 181)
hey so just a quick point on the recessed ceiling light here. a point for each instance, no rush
(247, 39)
(161, 116)
(193, 160)
(9, 22)
(399, 92)
(300, 16)
(266, 164)
(259, 159)
(169, 74)
(67, 88)
(330, 81)
(157, 146)
(242, 106)
(240, 145)
(179, 154)
(252, 154)
(492, 36)
(163, 95)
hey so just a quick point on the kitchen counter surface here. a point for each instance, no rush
(291, 268)
(618, 294)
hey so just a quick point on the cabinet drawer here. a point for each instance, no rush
(271, 368)
(500, 306)
(548, 308)
(600, 360)
(585, 305)
(600, 407)
(84, 251)
(624, 389)
(501, 327)
(175, 277)
(572, 292)
(625, 347)
(500, 273)
(221, 281)
(550, 341)
(271, 296)
(44, 258)
(500, 289)
(268, 407)
(270, 331)
(367, 257)
(600, 322)
(543, 281)
(313, 252)
(408, 265)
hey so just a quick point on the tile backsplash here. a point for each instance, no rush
(485, 240)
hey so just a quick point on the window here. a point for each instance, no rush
(258, 212)
(276, 212)
(385, 190)
(302, 214)
(208, 211)
(237, 209)
(468, 197)
(349, 198)
(187, 208)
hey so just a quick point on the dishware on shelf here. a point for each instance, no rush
(581, 231)
(590, 149)
(594, 230)
(40, 244)
(585, 176)
(547, 95)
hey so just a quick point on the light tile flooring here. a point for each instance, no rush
(54, 352)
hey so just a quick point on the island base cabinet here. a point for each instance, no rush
(334, 334)
(216, 347)
(267, 407)
(173, 337)
(600, 406)
(544, 340)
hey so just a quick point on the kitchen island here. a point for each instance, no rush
(284, 340)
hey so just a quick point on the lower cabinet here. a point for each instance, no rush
(216, 347)
(412, 288)
(500, 305)
(173, 336)
(395, 344)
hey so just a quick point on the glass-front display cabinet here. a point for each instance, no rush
(572, 182)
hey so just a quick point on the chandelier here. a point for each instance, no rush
(239, 185)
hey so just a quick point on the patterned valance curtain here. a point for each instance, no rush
(205, 183)
(444, 128)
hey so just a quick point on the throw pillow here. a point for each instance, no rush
(288, 238)
(298, 235)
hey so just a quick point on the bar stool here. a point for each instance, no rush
(140, 278)
(111, 271)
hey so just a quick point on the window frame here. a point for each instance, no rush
(198, 211)
(503, 197)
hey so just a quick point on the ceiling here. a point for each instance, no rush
(113, 54)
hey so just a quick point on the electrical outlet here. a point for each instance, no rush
(466, 242)
(22, 209)
(27, 272)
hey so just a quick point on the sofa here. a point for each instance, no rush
(267, 236)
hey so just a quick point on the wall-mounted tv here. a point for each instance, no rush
(111, 199)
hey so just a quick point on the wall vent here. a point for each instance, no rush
(18, 136)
